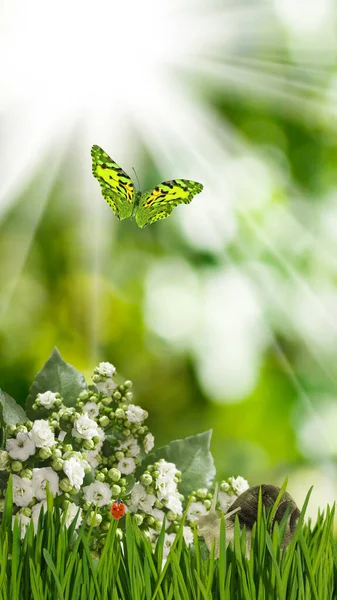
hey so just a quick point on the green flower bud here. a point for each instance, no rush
(16, 466)
(128, 384)
(93, 398)
(67, 448)
(201, 493)
(88, 444)
(57, 453)
(26, 511)
(80, 404)
(157, 525)
(45, 453)
(27, 473)
(105, 526)
(106, 400)
(146, 479)
(96, 378)
(116, 395)
(171, 516)
(128, 396)
(121, 388)
(96, 439)
(58, 402)
(155, 474)
(120, 414)
(65, 485)
(138, 519)
(122, 481)
(119, 455)
(193, 498)
(100, 476)
(35, 406)
(104, 470)
(104, 421)
(84, 395)
(123, 491)
(94, 520)
(150, 521)
(126, 432)
(11, 429)
(86, 506)
(116, 490)
(158, 504)
(141, 430)
(57, 464)
(21, 429)
(114, 474)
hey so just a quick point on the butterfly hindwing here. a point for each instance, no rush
(159, 202)
(117, 187)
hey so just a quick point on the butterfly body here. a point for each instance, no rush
(146, 207)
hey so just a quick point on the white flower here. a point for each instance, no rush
(40, 479)
(148, 442)
(21, 447)
(47, 399)
(126, 466)
(140, 499)
(36, 512)
(188, 535)
(165, 483)
(61, 435)
(84, 428)
(225, 500)
(3, 460)
(168, 541)
(130, 445)
(74, 470)
(105, 369)
(174, 504)
(157, 514)
(24, 522)
(41, 434)
(196, 510)
(92, 458)
(71, 512)
(91, 408)
(22, 490)
(135, 414)
(106, 387)
(99, 493)
(239, 485)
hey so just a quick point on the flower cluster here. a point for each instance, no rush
(86, 451)
(86, 454)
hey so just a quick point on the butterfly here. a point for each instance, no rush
(147, 207)
(118, 509)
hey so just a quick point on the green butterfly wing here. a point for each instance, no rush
(159, 202)
(117, 187)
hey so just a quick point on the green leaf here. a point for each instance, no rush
(56, 376)
(193, 458)
(10, 411)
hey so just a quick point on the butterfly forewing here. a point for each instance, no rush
(117, 187)
(159, 202)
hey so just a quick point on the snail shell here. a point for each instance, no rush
(246, 507)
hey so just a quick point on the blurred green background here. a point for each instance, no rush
(224, 315)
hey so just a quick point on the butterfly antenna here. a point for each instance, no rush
(134, 170)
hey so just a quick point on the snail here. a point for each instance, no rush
(246, 506)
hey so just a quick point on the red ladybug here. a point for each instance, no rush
(118, 509)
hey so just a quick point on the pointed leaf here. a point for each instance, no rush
(192, 456)
(56, 376)
(10, 412)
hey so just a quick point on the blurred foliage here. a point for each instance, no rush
(83, 290)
